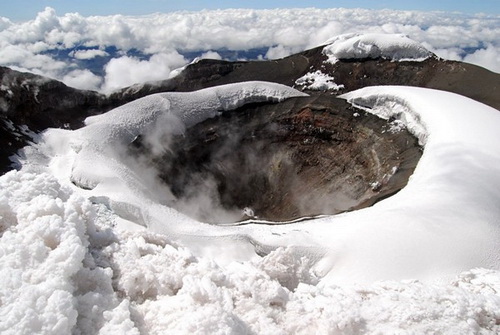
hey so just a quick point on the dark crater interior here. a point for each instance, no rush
(298, 158)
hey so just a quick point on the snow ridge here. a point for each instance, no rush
(395, 47)
(160, 115)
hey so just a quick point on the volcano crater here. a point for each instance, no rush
(278, 162)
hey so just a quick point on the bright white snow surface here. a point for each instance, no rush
(373, 45)
(423, 261)
(318, 81)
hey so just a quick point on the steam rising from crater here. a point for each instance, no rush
(301, 158)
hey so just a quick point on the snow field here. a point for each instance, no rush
(66, 268)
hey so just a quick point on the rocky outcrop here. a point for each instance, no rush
(40, 102)
(30, 104)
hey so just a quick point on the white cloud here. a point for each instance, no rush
(278, 51)
(88, 54)
(210, 55)
(283, 32)
(4, 23)
(488, 58)
(242, 29)
(23, 57)
(126, 71)
(450, 53)
(331, 29)
(82, 79)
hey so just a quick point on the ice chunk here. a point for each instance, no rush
(318, 81)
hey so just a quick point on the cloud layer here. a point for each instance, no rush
(164, 37)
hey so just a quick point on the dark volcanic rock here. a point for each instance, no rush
(302, 157)
(466, 79)
(30, 104)
(40, 102)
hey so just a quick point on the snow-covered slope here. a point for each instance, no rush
(68, 263)
(371, 45)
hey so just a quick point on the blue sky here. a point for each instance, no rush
(19, 10)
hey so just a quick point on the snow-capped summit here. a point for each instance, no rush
(388, 46)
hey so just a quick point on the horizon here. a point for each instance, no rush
(26, 10)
